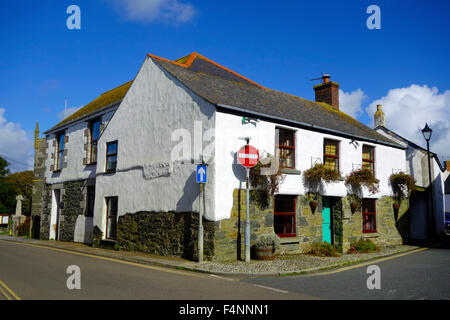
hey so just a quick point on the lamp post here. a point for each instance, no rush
(426, 131)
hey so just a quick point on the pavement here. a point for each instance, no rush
(284, 265)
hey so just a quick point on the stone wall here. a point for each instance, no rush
(73, 203)
(165, 233)
(229, 242)
(46, 210)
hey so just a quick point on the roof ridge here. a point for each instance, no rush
(192, 56)
(124, 84)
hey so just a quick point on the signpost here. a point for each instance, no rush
(201, 180)
(248, 156)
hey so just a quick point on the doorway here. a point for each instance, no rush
(55, 214)
(327, 219)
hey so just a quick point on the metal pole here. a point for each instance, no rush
(200, 226)
(247, 225)
(431, 220)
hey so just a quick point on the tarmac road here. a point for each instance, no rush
(423, 275)
(34, 272)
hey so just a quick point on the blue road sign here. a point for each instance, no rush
(201, 174)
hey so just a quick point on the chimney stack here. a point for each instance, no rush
(378, 117)
(328, 92)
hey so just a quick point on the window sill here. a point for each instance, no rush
(290, 171)
(371, 235)
(110, 171)
(289, 240)
(90, 164)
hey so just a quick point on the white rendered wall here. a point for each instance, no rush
(155, 106)
(309, 147)
(75, 170)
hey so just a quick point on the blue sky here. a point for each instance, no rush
(279, 44)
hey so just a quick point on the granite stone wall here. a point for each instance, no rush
(73, 203)
(165, 233)
(229, 241)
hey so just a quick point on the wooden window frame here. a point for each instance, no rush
(59, 153)
(278, 146)
(88, 206)
(111, 155)
(109, 217)
(294, 214)
(338, 152)
(367, 160)
(92, 140)
(369, 214)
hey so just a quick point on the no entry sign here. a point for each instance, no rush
(248, 156)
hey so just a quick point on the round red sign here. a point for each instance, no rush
(248, 156)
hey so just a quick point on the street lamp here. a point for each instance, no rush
(427, 135)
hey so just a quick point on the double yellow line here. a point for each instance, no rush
(7, 292)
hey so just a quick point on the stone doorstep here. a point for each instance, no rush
(194, 266)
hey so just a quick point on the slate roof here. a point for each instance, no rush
(224, 87)
(106, 99)
(221, 86)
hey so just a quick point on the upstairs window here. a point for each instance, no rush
(111, 156)
(369, 216)
(95, 134)
(286, 148)
(368, 158)
(60, 151)
(331, 154)
(284, 216)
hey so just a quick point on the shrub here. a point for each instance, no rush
(401, 181)
(324, 249)
(363, 177)
(267, 240)
(24, 229)
(363, 246)
(319, 171)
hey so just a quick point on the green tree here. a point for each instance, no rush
(7, 190)
(22, 182)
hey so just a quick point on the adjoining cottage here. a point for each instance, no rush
(121, 170)
(422, 217)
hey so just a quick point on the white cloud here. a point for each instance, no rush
(350, 103)
(63, 114)
(156, 10)
(407, 110)
(15, 146)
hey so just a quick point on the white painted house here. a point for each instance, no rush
(121, 170)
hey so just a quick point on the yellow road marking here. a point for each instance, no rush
(186, 273)
(4, 293)
(9, 290)
(359, 265)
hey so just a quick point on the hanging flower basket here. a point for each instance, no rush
(396, 206)
(354, 206)
(313, 204)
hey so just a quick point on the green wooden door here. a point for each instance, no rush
(326, 219)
